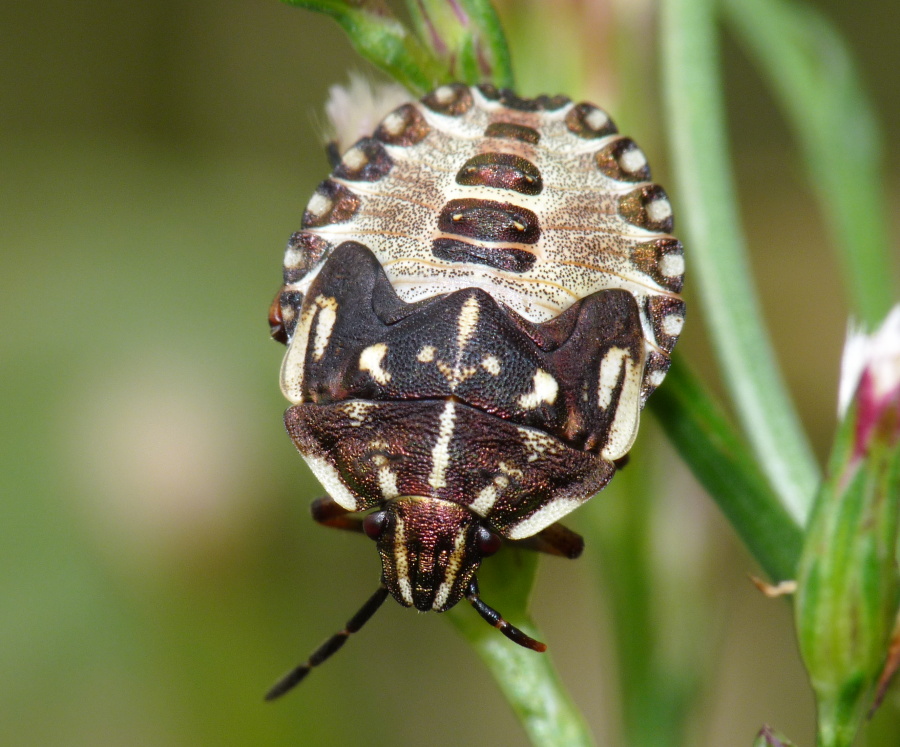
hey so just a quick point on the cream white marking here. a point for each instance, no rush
(455, 376)
(387, 482)
(537, 443)
(596, 119)
(671, 265)
(401, 566)
(354, 159)
(394, 124)
(624, 427)
(426, 354)
(293, 257)
(632, 160)
(294, 364)
(543, 517)
(514, 472)
(659, 209)
(370, 360)
(440, 454)
(454, 562)
(324, 325)
(466, 323)
(319, 204)
(545, 389)
(610, 369)
(491, 364)
(357, 411)
(444, 95)
(657, 377)
(327, 474)
(672, 325)
(485, 500)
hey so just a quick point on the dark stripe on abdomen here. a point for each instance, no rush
(486, 220)
(499, 257)
(501, 171)
(512, 131)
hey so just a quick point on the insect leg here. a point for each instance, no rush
(496, 619)
(326, 511)
(554, 540)
(331, 646)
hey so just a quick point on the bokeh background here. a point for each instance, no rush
(158, 569)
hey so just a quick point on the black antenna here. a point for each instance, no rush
(496, 619)
(332, 645)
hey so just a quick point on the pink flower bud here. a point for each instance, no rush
(870, 378)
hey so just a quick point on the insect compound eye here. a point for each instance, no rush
(488, 542)
(374, 524)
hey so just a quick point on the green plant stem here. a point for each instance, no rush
(811, 71)
(379, 37)
(719, 265)
(528, 679)
(660, 661)
(722, 463)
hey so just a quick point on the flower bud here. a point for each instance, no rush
(848, 586)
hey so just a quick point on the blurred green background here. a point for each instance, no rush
(159, 569)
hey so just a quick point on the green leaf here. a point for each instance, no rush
(723, 464)
(379, 37)
(717, 252)
(810, 69)
(528, 679)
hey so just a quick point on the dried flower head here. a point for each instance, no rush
(870, 376)
(355, 110)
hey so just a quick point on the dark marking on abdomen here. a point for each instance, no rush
(486, 220)
(505, 258)
(511, 131)
(501, 171)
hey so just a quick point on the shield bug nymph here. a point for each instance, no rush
(481, 298)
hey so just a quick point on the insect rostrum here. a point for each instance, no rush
(482, 297)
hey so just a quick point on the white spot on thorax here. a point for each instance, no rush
(623, 429)
(485, 500)
(387, 482)
(357, 411)
(324, 325)
(370, 360)
(550, 512)
(440, 454)
(610, 371)
(537, 443)
(545, 389)
(327, 474)
(491, 364)
(294, 365)
(467, 321)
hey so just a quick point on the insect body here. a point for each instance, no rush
(482, 297)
